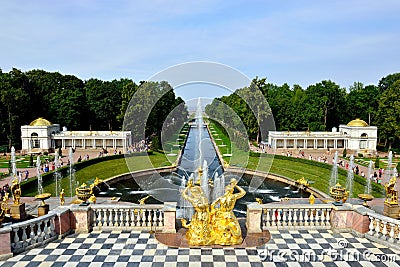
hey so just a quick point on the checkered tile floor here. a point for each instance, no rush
(286, 248)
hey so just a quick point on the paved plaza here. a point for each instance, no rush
(135, 248)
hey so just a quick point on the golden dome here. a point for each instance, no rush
(358, 123)
(40, 122)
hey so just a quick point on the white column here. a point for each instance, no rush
(305, 143)
(284, 143)
(83, 143)
(104, 143)
(335, 143)
(315, 144)
(325, 143)
(94, 143)
(63, 143)
(114, 143)
(295, 143)
(73, 143)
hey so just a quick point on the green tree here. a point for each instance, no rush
(324, 104)
(389, 114)
(362, 102)
(128, 90)
(387, 81)
(14, 106)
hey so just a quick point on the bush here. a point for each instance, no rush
(254, 154)
(360, 155)
(377, 162)
(31, 160)
(45, 153)
(344, 153)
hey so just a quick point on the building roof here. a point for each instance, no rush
(358, 123)
(40, 122)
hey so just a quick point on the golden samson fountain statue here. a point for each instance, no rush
(214, 224)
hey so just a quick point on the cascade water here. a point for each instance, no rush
(57, 174)
(204, 181)
(334, 173)
(13, 163)
(367, 189)
(350, 178)
(71, 172)
(388, 171)
(39, 176)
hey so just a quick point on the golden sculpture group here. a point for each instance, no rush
(391, 193)
(213, 223)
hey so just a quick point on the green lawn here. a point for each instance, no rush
(21, 162)
(102, 170)
(312, 171)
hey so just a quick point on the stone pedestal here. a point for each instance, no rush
(392, 211)
(43, 210)
(169, 217)
(253, 220)
(18, 211)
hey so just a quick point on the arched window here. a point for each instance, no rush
(364, 135)
(35, 140)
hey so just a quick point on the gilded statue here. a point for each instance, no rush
(391, 193)
(16, 191)
(199, 229)
(226, 228)
(143, 199)
(215, 223)
(4, 204)
(62, 198)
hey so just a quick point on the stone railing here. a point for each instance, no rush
(142, 217)
(383, 229)
(32, 233)
(296, 216)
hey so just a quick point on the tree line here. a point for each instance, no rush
(319, 107)
(92, 104)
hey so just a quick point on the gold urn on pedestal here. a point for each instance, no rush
(83, 193)
(339, 194)
(43, 208)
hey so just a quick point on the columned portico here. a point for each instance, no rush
(356, 135)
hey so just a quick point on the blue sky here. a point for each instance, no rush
(298, 42)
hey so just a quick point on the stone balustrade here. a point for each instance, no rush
(296, 216)
(383, 229)
(142, 217)
(32, 233)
